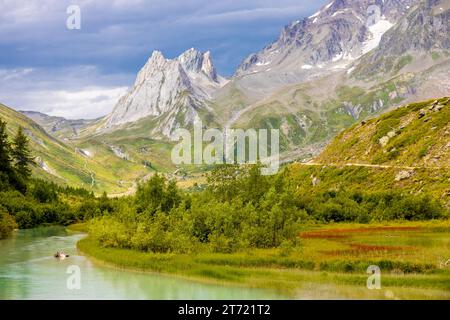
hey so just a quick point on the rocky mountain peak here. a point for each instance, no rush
(191, 60)
(157, 55)
(155, 62)
(208, 67)
(167, 89)
(194, 61)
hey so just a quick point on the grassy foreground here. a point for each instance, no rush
(330, 261)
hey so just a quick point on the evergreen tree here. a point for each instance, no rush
(5, 150)
(21, 154)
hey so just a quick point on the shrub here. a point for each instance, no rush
(109, 232)
(7, 223)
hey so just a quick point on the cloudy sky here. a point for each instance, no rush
(44, 66)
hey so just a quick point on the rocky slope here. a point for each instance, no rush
(425, 28)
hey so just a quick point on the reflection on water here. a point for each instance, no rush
(28, 270)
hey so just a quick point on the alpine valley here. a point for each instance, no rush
(351, 61)
(360, 95)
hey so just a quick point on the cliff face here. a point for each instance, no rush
(173, 90)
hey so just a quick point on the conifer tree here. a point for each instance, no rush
(21, 154)
(5, 150)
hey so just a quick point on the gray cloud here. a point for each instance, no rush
(74, 92)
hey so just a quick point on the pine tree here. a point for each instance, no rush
(5, 150)
(21, 154)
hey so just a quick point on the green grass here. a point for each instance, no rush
(402, 62)
(435, 55)
(329, 261)
(78, 227)
(418, 141)
(433, 182)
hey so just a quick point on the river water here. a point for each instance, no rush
(28, 270)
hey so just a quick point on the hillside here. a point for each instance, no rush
(96, 168)
(415, 135)
(404, 151)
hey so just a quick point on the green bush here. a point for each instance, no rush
(110, 232)
(7, 223)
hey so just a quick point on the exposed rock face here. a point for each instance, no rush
(385, 140)
(172, 90)
(41, 163)
(315, 181)
(425, 28)
(119, 152)
(352, 110)
(196, 63)
(339, 33)
(84, 153)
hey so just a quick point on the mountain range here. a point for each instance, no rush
(350, 61)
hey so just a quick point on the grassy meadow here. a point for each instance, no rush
(328, 261)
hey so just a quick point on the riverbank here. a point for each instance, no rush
(330, 261)
(78, 227)
(29, 271)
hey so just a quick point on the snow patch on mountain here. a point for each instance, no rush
(377, 31)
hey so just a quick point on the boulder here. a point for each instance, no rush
(391, 134)
(422, 113)
(384, 141)
(315, 181)
(402, 175)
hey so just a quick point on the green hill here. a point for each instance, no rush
(96, 169)
(404, 151)
(415, 135)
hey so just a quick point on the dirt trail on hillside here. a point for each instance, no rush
(382, 166)
(133, 188)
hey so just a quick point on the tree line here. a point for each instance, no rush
(14, 171)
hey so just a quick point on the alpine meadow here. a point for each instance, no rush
(318, 168)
